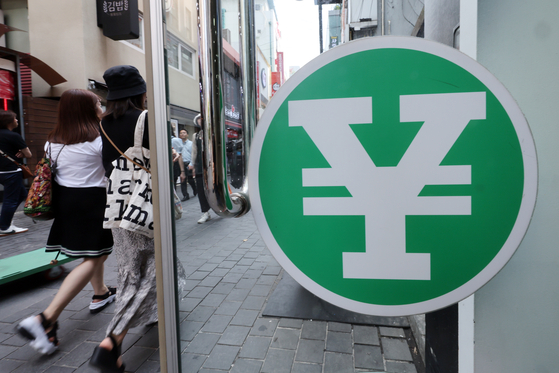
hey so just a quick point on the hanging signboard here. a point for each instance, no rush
(401, 186)
(119, 19)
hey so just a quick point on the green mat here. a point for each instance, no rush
(22, 265)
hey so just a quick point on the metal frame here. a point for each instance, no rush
(160, 168)
(210, 53)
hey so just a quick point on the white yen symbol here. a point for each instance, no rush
(386, 195)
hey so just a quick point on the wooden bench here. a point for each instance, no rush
(22, 265)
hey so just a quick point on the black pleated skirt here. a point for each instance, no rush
(77, 230)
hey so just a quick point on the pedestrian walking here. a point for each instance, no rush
(196, 168)
(13, 145)
(184, 146)
(137, 301)
(79, 199)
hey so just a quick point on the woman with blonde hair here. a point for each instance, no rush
(79, 198)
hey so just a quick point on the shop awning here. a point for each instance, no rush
(46, 72)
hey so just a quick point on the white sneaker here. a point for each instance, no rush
(12, 230)
(205, 217)
(32, 329)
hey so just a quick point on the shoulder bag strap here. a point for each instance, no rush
(121, 153)
(10, 158)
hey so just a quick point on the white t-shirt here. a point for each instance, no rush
(79, 165)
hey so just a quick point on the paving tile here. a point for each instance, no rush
(391, 332)
(314, 330)
(216, 324)
(246, 283)
(339, 342)
(339, 327)
(203, 343)
(10, 365)
(253, 273)
(7, 350)
(245, 317)
(73, 339)
(213, 300)
(201, 313)
(291, 323)
(149, 366)
(261, 290)
(80, 354)
(287, 339)
(189, 304)
(338, 363)
(232, 278)
(191, 363)
(227, 264)
(367, 335)
(234, 335)
(246, 366)
(310, 351)
(238, 295)
(198, 275)
(219, 272)
(223, 288)
(189, 329)
(221, 357)
(266, 280)
(208, 267)
(272, 270)
(239, 269)
(264, 327)
(200, 292)
(368, 357)
(253, 302)
(306, 368)
(228, 308)
(255, 347)
(278, 361)
(210, 281)
(400, 367)
(59, 369)
(396, 349)
(135, 357)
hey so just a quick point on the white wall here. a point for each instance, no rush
(517, 313)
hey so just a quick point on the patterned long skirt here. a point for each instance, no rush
(136, 299)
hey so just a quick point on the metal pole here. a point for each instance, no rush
(320, 26)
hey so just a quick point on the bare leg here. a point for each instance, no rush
(97, 280)
(72, 285)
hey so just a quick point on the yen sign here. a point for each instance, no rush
(393, 176)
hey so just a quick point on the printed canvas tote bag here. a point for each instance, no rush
(129, 199)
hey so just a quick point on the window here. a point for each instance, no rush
(179, 55)
(138, 43)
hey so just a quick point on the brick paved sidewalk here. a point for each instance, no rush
(231, 275)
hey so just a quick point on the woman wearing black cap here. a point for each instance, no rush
(136, 303)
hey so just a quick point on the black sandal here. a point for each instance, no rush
(107, 360)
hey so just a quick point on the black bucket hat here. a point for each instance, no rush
(124, 81)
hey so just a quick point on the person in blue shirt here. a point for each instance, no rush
(184, 146)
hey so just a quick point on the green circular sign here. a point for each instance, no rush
(393, 176)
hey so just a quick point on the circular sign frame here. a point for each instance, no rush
(529, 158)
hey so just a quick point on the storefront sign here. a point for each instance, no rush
(119, 19)
(393, 190)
